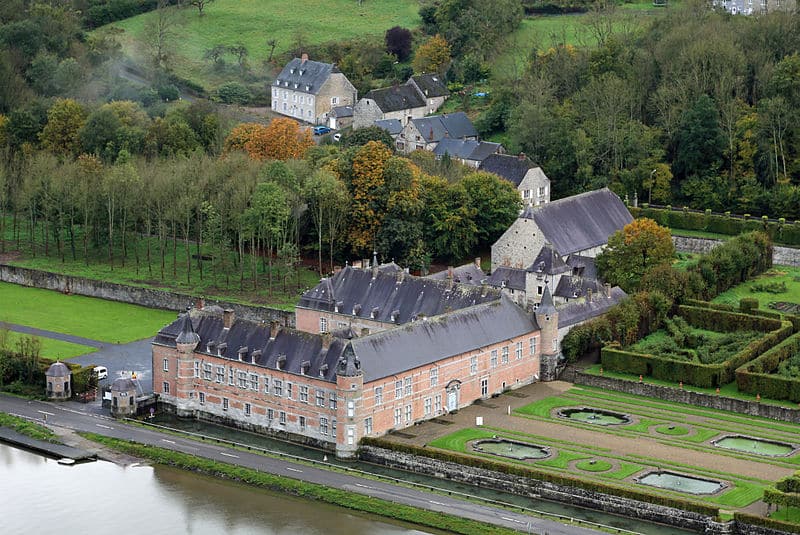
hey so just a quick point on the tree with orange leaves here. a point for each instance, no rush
(282, 140)
(369, 199)
(240, 135)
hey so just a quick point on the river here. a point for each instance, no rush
(40, 496)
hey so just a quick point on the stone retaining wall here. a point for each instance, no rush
(666, 393)
(147, 297)
(781, 256)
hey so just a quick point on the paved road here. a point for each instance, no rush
(62, 416)
(52, 334)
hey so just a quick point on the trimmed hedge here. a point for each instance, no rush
(756, 377)
(548, 477)
(695, 373)
(102, 12)
(770, 523)
(780, 498)
(733, 262)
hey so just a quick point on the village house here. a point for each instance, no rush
(401, 102)
(432, 88)
(309, 90)
(529, 179)
(340, 117)
(392, 126)
(468, 152)
(427, 132)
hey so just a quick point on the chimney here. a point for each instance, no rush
(608, 289)
(521, 156)
(450, 272)
(364, 331)
(478, 262)
(401, 275)
(588, 295)
(227, 318)
(303, 58)
(326, 339)
(199, 303)
(365, 264)
(274, 329)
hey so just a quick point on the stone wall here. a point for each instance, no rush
(147, 297)
(693, 398)
(781, 256)
(523, 486)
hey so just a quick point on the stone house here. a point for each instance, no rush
(331, 390)
(59, 381)
(340, 117)
(468, 152)
(309, 90)
(427, 132)
(755, 7)
(529, 179)
(392, 126)
(401, 102)
(432, 88)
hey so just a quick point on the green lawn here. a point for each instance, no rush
(254, 22)
(96, 319)
(51, 349)
(780, 274)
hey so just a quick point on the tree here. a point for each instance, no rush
(699, 141)
(633, 251)
(496, 203)
(282, 139)
(361, 136)
(159, 34)
(398, 42)
(432, 56)
(200, 5)
(61, 134)
(328, 200)
(367, 186)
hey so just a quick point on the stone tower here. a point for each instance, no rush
(185, 343)
(349, 389)
(546, 317)
(58, 381)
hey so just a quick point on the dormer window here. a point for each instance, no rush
(291, 71)
(242, 352)
(211, 346)
(357, 309)
(255, 354)
(304, 367)
(395, 315)
(295, 86)
(322, 370)
(221, 348)
(308, 88)
(281, 363)
(337, 307)
(374, 313)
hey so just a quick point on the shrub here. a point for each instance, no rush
(748, 304)
(168, 93)
(233, 93)
(757, 377)
(755, 520)
(769, 287)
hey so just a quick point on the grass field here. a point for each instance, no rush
(51, 349)
(788, 275)
(96, 319)
(254, 22)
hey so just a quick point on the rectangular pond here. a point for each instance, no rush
(681, 483)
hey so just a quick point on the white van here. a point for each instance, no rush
(101, 372)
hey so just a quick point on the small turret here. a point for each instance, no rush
(546, 316)
(349, 393)
(187, 339)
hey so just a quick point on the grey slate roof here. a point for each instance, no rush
(546, 305)
(466, 149)
(436, 127)
(549, 262)
(571, 287)
(123, 384)
(583, 266)
(512, 168)
(404, 348)
(396, 98)
(393, 126)
(342, 111)
(431, 85)
(355, 292)
(507, 277)
(57, 369)
(579, 311)
(305, 76)
(187, 334)
(580, 222)
(466, 274)
(290, 346)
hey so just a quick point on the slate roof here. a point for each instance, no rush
(431, 85)
(396, 98)
(466, 149)
(289, 346)
(512, 168)
(513, 278)
(580, 222)
(546, 305)
(187, 334)
(583, 266)
(398, 350)
(123, 384)
(579, 311)
(387, 299)
(304, 76)
(571, 287)
(436, 127)
(342, 111)
(57, 369)
(549, 262)
(466, 274)
(393, 126)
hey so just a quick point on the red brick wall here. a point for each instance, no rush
(308, 320)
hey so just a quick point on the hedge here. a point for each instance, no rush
(733, 262)
(695, 373)
(765, 522)
(549, 477)
(782, 499)
(102, 12)
(756, 377)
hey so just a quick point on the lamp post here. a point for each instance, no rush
(650, 189)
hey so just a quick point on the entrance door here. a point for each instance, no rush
(452, 399)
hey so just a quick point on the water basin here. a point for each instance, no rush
(595, 416)
(754, 445)
(681, 483)
(511, 448)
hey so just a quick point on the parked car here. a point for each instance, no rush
(320, 130)
(101, 372)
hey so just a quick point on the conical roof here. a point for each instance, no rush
(546, 305)
(57, 369)
(349, 365)
(187, 334)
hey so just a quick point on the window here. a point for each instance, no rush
(202, 396)
(408, 414)
(242, 379)
(285, 96)
(284, 106)
(408, 387)
(270, 414)
(351, 408)
(231, 374)
(166, 387)
(224, 404)
(504, 355)
(473, 365)
(437, 403)
(320, 398)
(532, 343)
(208, 371)
(484, 387)
(378, 395)
(302, 421)
(304, 394)
(247, 409)
(398, 389)
(333, 428)
(428, 405)
(542, 190)
(526, 193)
(323, 325)
(368, 426)
(539, 290)
(166, 365)
(282, 418)
(220, 374)
(197, 368)
(294, 97)
(266, 384)
(434, 376)
(398, 417)
(289, 390)
(334, 100)
(518, 351)
(493, 359)
(274, 92)
(555, 345)
(332, 401)
(254, 382)
(277, 387)
(323, 426)
(309, 114)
